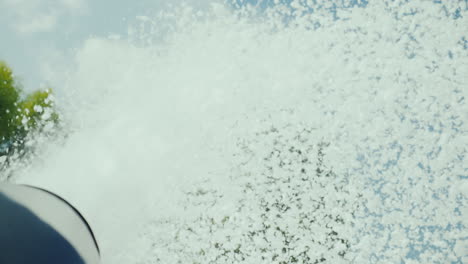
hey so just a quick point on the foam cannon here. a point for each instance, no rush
(39, 227)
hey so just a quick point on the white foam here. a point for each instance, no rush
(150, 115)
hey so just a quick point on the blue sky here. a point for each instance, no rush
(36, 31)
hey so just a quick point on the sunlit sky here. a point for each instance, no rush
(35, 33)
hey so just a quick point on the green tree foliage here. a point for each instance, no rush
(9, 97)
(19, 114)
(37, 111)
